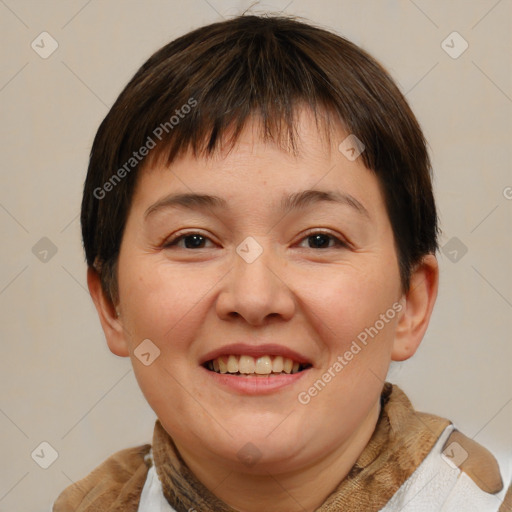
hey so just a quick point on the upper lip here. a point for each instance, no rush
(268, 349)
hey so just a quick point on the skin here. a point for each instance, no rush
(189, 301)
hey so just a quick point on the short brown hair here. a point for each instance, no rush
(269, 66)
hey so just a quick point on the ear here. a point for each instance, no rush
(110, 321)
(418, 304)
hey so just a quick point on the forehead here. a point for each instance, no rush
(254, 170)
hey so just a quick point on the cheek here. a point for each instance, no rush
(358, 323)
(167, 307)
(160, 302)
(349, 302)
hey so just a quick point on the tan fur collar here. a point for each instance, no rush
(114, 486)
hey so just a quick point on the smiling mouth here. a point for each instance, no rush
(248, 366)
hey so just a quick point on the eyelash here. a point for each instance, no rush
(337, 241)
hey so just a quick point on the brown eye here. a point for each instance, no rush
(190, 241)
(321, 240)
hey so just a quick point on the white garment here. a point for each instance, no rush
(152, 498)
(435, 486)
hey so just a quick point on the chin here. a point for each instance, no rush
(254, 451)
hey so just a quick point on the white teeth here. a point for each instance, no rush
(247, 365)
(223, 367)
(232, 364)
(287, 365)
(277, 364)
(263, 365)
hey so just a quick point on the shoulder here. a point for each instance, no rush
(115, 485)
(475, 461)
(457, 474)
(480, 472)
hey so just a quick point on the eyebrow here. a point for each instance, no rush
(294, 201)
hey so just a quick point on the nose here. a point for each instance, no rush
(256, 291)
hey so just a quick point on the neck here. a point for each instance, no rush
(303, 489)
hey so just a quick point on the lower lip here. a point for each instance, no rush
(255, 385)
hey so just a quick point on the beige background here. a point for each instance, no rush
(60, 383)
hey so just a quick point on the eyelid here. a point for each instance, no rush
(339, 241)
(173, 240)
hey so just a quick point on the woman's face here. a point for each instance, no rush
(258, 257)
